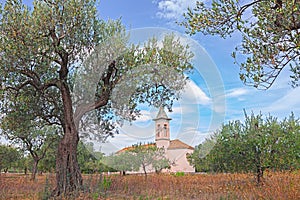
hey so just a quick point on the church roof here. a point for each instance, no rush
(174, 144)
(132, 147)
(162, 114)
(177, 144)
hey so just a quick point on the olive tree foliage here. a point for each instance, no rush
(121, 162)
(139, 157)
(142, 73)
(71, 69)
(25, 163)
(254, 145)
(149, 157)
(269, 30)
(9, 156)
(47, 164)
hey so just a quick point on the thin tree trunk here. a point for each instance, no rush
(259, 174)
(259, 169)
(34, 169)
(122, 173)
(145, 172)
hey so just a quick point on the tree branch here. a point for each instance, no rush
(109, 80)
(246, 6)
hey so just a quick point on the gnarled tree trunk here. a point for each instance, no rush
(68, 176)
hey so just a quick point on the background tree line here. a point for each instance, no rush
(16, 159)
(138, 157)
(252, 145)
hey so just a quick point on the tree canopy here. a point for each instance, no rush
(9, 156)
(269, 30)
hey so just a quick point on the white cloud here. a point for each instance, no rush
(193, 94)
(289, 102)
(218, 105)
(237, 92)
(173, 9)
(129, 135)
(145, 116)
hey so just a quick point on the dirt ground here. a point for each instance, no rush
(285, 185)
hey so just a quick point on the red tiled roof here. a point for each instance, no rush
(174, 144)
(132, 147)
(177, 144)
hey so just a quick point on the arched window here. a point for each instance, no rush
(165, 130)
(158, 130)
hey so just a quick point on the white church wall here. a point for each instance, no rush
(179, 160)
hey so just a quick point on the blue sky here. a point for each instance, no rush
(213, 96)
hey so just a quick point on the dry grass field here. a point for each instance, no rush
(283, 186)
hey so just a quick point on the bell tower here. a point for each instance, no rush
(162, 129)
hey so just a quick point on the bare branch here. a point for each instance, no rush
(246, 6)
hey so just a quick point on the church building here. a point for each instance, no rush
(176, 151)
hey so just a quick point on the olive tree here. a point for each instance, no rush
(80, 73)
(139, 157)
(8, 157)
(32, 136)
